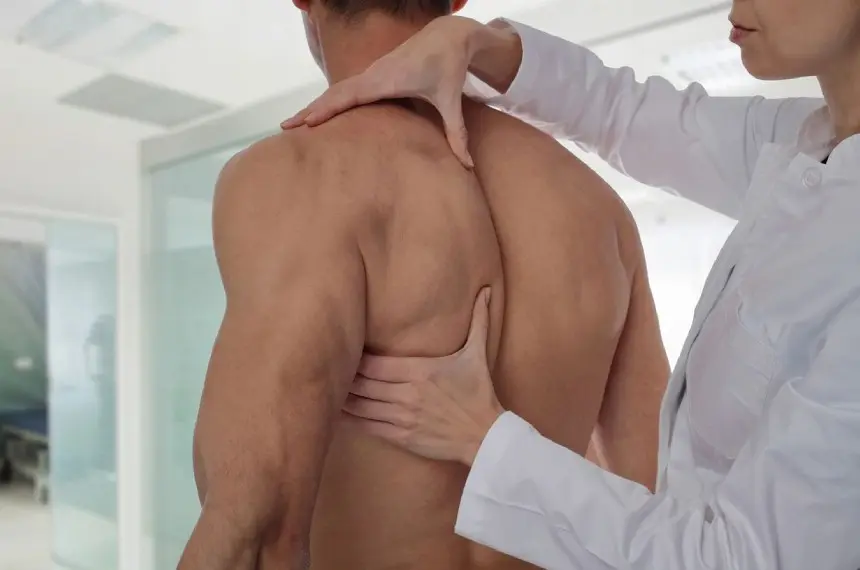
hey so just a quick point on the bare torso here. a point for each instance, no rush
(557, 247)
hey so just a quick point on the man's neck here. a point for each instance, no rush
(348, 48)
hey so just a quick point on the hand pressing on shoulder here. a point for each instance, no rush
(432, 65)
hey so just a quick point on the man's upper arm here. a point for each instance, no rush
(289, 345)
(627, 429)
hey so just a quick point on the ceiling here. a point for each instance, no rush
(229, 52)
(232, 53)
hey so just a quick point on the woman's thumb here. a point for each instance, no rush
(480, 319)
(455, 130)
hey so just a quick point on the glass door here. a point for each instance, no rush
(82, 307)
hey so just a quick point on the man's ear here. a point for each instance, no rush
(303, 5)
(456, 5)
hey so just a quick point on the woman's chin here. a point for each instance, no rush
(757, 68)
(764, 70)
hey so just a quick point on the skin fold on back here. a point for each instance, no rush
(562, 256)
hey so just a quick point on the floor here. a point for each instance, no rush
(25, 530)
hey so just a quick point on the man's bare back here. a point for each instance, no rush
(574, 341)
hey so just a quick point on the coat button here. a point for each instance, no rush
(812, 178)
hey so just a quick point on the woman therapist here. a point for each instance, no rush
(760, 427)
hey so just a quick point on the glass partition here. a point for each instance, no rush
(82, 301)
(184, 310)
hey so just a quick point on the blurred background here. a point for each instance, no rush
(115, 119)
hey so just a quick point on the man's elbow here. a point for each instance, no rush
(218, 542)
(222, 541)
(255, 526)
(252, 503)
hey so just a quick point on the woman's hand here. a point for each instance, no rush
(438, 408)
(431, 65)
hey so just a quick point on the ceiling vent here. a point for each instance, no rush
(717, 66)
(130, 99)
(88, 31)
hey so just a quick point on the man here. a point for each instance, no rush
(366, 234)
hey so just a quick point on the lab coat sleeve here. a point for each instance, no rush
(790, 502)
(703, 148)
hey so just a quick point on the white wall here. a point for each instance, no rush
(21, 230)
(67, 161)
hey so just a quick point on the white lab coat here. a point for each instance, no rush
(760, 426)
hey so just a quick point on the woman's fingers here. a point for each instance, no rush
(362, 90)
(368, 87)
(381, 390)
(439, 408)
(296, 120)
(332, 103)
(375, 410)
(392, 368)
(379, 83)
(383, 430)
(335, 100)
(380, 401)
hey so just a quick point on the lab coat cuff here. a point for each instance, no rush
(481, 518)
(494, 511)
(535, 500)
(505, 432)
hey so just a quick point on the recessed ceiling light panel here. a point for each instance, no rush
(89, 31)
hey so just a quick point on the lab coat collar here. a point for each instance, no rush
(817, 139)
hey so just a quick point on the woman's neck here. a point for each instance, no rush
(841, 90)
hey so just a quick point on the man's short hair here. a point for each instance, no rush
(400, 8)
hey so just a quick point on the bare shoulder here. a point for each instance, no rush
(291, 174)
(274, 200)
(593, 209)
(269, 169)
